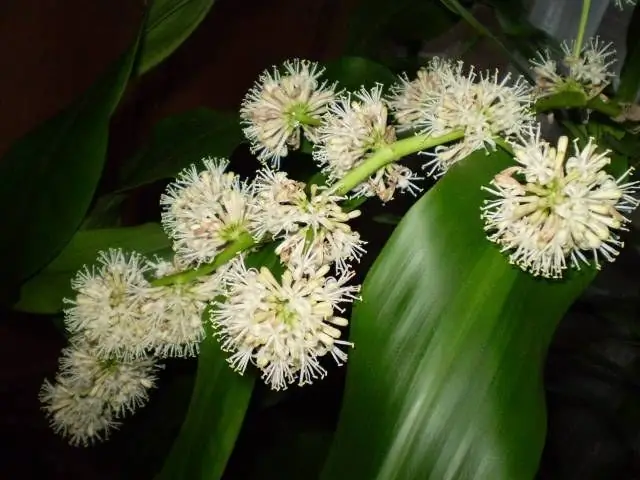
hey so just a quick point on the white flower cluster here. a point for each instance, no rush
(589, 72)
(282, 103)
(121, 324)
(283, 326)
(548, 212)
(91, 393)
(312, 229)
(355, 126)
(443, 99)
(129, 311)
(206, 210)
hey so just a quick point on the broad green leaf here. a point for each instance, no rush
(218, 405)
(50, 175)
(354, 72)
(180, 141)
(445, 380)
(630, 74)
(44, 292)
(170, 23)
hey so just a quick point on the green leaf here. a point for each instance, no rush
(630, 73)
(50, 175)
(354, 72)
(181, 140)
(170, 23)
(44, 292)
(445, 380)
(218, 405)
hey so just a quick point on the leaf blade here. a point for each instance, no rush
(181, 140)
(216, 412)
(170, 24)
(53, 171)
(218, 405)
(431, 380)
(44, 292)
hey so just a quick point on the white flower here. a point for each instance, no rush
(205, 211)
(592, 66)
(548, 212)
(409, 98)
(176, 310)
(122, 385)
(621, 3)
(90, 393)
(283, 327)
(355, 126)
(590, 72)
(106, 308)
(483, 107)
(280, 105)
(304, 224)
(81, 419)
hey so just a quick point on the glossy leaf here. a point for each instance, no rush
(445, 380)
(181, 140)
(218, 405)
(49, 176)
(353, 72)
(44, 292)
(170, 23)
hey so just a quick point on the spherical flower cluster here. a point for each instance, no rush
(176, 310)
(107, 305)
(90, 394)
(443, 100)
(589, 72)
(126, 317)
(120, 321)
(409, 99)
(205, 211)
(304, 224)
(355, 126)
(548, 212)
(281, 105)
(284, 326)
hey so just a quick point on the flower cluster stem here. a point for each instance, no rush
(584, 19)
(388, 154)
(242, 243)
(385, 155)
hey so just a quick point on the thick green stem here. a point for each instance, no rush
(377, 160)
(584, 18)
(244, 242)
(388, 154)
(610, 108)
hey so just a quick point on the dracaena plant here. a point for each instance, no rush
(556, 208)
